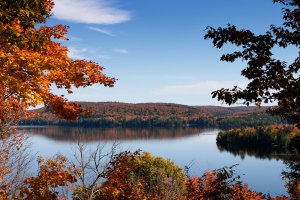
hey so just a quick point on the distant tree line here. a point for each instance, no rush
(222, 123)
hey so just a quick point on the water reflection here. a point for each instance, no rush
(74, 134)
(182, 145)
(261, 152)
(290, 156)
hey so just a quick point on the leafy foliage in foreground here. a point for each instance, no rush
(54, 174)
(137, 175)
(292, 175)
(271, 79)
(142, 176)
(32, 60)
(219, 184)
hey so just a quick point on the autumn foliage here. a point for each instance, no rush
(54, 174)
(135, 176)
(117, 114)
(33, 60)
(275, 141)
(141, 176)
(219, 184)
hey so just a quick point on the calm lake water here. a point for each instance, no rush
(184, 146)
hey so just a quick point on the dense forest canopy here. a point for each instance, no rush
(113, 114)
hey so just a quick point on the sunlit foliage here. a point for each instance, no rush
(219, 184)
(54, 178)
(33, 60)
(141, 176)
(138, 176)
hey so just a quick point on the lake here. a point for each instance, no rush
(185, 146)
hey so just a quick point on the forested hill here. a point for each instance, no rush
(114, 114)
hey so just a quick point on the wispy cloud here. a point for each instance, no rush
(76, 53)
(90, 11)
(104, 56)
(199, 88)
(119, 50)
(104, 31)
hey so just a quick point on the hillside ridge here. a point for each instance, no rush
(115, 114)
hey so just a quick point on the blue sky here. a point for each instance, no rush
(155, 48)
